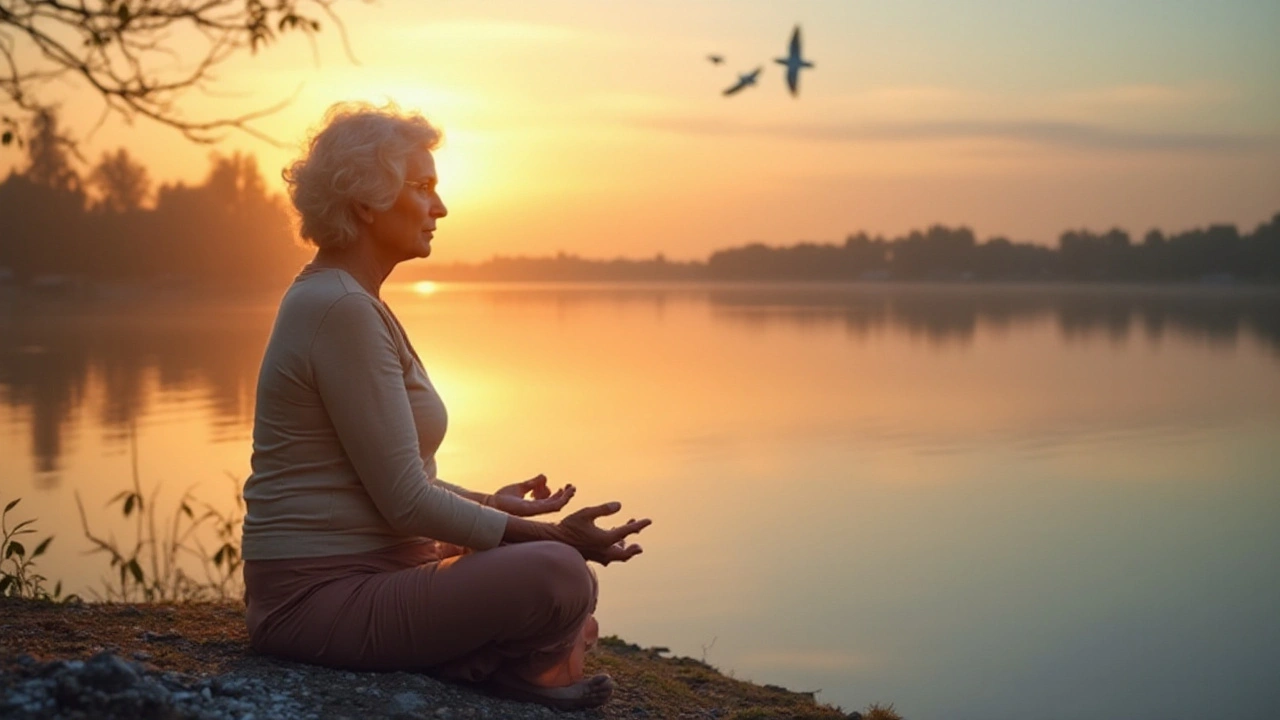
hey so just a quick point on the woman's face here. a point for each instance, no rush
(404, 231)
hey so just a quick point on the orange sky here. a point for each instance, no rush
(598, 128)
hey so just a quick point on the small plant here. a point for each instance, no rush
(876, 711)
(23, 581)
(150, 569)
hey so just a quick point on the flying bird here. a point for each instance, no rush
(744, 80)
(794, 62)
(715, 59)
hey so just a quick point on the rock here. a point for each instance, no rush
(108, 673)
(407, 702)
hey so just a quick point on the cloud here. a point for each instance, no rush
(1061, 134)
(1150, 95)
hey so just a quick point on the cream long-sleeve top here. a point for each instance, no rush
(345, 433)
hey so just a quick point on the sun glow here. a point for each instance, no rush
(425, 287)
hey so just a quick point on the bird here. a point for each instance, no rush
(744, 80)
(715, 59)
(794, 62)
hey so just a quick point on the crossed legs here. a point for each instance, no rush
(519, 615)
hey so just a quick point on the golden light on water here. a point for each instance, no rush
(425, 287)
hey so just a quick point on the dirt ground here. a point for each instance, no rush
(209, 641)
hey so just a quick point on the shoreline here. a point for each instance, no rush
(193, 660)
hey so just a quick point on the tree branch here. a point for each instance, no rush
(116, 49)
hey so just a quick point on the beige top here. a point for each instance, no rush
(345, 434)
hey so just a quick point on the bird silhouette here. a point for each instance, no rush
(715, 59)
(794, 62)
(744, 80)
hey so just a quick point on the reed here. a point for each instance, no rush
(150, 567)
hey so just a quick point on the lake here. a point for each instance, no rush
(972, 502)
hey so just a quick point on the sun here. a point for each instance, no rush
(425, 287)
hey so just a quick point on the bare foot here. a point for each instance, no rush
(590, 633)
(587, 693)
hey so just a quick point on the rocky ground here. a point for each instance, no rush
(193, 661)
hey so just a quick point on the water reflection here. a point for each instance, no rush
(206, 352)
(944, 314)
(968, 501)
(50, 356)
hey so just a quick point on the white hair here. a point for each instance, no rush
(358, 156)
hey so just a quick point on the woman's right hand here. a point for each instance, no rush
(596, 543)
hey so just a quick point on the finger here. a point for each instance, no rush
(546, 494)
(540, 489)
(622, 554)
(553, 503)
(621, 532)
(592, 512)
(533, 483)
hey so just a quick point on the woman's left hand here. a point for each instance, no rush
(511, 499)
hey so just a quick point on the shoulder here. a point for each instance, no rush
(329, 304)
(325, 295)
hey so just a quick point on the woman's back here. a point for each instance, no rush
(345, 417)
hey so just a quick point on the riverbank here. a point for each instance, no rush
(193, 661)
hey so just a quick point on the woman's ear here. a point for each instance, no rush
(364, 212)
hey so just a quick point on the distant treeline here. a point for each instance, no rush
(59, 229)
(1217, 254)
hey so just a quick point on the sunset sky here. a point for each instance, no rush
(598, 127)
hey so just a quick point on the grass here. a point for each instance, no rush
(150, 568)
(18, 576)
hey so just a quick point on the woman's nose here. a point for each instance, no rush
(438, 209)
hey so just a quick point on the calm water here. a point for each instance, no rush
(972, 503)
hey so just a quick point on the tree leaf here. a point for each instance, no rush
(15, 548)
(5, 582)
(6, 138)
(128, 504)
(12, 503)
(44, 545)
(187, 509)
(136, 570)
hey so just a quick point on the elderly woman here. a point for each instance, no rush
(353, 546)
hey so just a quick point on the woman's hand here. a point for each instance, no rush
(599, 544)
(511, 499)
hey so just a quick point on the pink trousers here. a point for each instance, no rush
(407, 608)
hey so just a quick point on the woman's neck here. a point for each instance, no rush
(359, 261)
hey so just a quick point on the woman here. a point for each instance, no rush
(348, 531)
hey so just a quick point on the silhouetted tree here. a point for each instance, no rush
(228, 231)
(43, 208)
(865, 257)
(939, 253)
(121, 183)
(48, 154)
(124, 51)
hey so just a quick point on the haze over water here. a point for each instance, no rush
(972, 502)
